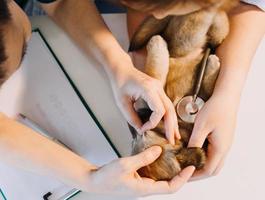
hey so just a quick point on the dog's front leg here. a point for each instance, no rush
(157, 60)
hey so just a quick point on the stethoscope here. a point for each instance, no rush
(189, 106)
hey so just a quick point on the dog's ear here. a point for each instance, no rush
(144, 114)
(150, 27)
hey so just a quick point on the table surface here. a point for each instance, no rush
(242, 175)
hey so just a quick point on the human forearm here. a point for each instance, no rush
(82, 21)
(26, 149)
(216, 121)
(247, 28)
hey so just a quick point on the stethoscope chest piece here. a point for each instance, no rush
(187, 108)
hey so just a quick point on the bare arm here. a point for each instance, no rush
(81, 20)
(23, 148)
(217, 119)
(236, 52)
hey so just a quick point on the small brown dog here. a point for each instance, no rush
(175, 48)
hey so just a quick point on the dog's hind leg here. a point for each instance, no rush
(184, 34)
(211, 74)
(218, 30)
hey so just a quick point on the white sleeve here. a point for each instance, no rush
(258, 3)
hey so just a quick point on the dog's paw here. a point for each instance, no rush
(213, 62)
(156, 45)
(191, 156)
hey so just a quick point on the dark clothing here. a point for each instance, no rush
(22, 3)
(104, 6)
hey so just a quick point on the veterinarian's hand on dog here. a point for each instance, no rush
(120, 177)
(130, 84)
(215, 121)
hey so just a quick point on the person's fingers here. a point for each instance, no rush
(156, 105)
(169, 127)
(144, 158)
(170, 119)
(214, 157)
(177, 132)
(164, 187)
(130, 114)
(197, 175)
(198, 135)
(161, 106)
(182, 178)
(201, 174)
(219, 167)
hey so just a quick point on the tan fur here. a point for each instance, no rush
(174, 57)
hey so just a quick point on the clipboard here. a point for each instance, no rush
(38, 52)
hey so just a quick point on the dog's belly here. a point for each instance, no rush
(182, 75)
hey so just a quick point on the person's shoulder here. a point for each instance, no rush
(258, 3)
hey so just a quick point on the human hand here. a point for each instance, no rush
(120, 177)
(216, 122)
(130, 84)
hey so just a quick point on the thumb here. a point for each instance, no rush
(146, 157)
(198, 136)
